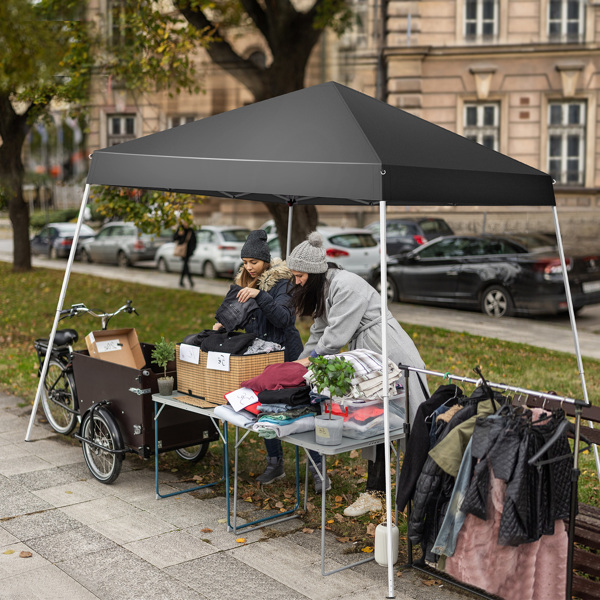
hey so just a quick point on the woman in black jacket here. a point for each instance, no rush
(268, 282)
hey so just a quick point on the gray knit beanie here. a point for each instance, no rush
(256, 246)
(309, 256)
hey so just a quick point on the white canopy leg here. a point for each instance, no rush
(61, 300)
(288, 247)
(573, 324)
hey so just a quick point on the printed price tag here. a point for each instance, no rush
(241, 398)
(219, 361)
(109, 345)
(190, 354)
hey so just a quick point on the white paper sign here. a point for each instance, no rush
(92, 338)
(109, 345)
(190, 354)
(219, 361)
(241, 398)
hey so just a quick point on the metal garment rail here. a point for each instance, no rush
(579, 406)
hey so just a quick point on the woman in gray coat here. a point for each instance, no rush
(347, 310)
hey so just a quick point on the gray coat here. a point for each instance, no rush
(353, 317)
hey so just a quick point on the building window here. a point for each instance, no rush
(121, 128)
(357, 35)
(566, 20)
(481, 19)
(566, 142)
(482, 124)
(177, 120)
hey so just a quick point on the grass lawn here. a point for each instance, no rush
(28, 305)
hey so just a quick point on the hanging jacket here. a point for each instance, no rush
(275, 320)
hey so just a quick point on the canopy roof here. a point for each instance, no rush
(326, 144)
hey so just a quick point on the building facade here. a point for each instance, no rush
(518, 76)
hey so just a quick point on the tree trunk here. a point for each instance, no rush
(13, 130)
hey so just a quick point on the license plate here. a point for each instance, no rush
(591, 286)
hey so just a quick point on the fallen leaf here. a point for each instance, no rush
(206, 530)
(330, 521)
(279, 504)
(399, 574)
(248, 499)
(339, 518)
(367, 549)
(430, 582)
(342, 540)
(174, 470)
(338, 498)
(8, 552)
(353, 454)
(251, 474)
(25, 554)
(241, 540)
(308, 530)
(222, 521)
(371, 529)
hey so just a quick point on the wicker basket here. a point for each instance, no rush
(198, 381)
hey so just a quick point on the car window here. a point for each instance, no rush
(274, 245)
(235, 235)
(353, 240)
(500, 247)
(446, 248)
(103, 233)
(129, 231)
(203, 236)
(400, 229)
(435, 227)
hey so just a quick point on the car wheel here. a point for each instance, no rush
(163, 267)
(122, 259)
(496, 302)
(392, 290)
(208, 270)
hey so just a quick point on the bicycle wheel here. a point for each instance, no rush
(100, 427)
(60, 398)
(193, 453)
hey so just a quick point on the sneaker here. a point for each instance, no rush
(365, 503)
(273, 471)
(317, 480)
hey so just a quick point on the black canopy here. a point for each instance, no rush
(326, 144)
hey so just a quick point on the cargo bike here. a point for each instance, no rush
(111, 405)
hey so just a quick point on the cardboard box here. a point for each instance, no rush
(119, 346)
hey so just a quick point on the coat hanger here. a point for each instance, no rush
(564, 427)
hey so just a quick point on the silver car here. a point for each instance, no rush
(353, 249)
(122, 244)
(217, 252)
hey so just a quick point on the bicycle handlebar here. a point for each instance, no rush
(80, 308)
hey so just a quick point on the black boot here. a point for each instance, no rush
(273, 471)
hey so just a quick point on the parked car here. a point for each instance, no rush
(408, 233)
(217, 252)
(55, 239)
(122, 244)
(499, 275)
(271, 229)
(353, 249)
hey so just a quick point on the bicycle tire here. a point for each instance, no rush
(60, 398)
(194, 453)
(100, 427)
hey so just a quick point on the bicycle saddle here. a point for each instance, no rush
(64, 337)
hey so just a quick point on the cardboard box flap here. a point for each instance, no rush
(119, 346)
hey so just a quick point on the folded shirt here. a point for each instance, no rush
(277, 377)
(241, 418)
(293, 396)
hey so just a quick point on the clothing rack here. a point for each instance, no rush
(579, 406)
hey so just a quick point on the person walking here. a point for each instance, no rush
(185, 244)
(347, 311)
(268, 281)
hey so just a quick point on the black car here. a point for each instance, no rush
(55, 239)
(499, 275)
(410, 232)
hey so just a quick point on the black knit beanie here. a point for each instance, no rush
(256, 246)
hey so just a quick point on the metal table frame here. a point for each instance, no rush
(301, 440)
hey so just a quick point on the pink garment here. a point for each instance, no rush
(277, 377)
(535, 571)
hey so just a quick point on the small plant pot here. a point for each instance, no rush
(381, 533)
(165, 386)
(328, 429)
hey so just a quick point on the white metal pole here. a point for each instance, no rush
(61, 300)
(386, 399)
(288, 248)
(573, 324)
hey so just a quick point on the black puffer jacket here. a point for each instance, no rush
(274, 321)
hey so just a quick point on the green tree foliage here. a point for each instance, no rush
(50, 48)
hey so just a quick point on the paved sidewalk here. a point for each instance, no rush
(93, 541)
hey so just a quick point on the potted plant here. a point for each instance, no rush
(332, 375)
(163, 353)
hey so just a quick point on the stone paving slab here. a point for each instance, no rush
(11, 562)
(132, 527)
(40, 524)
